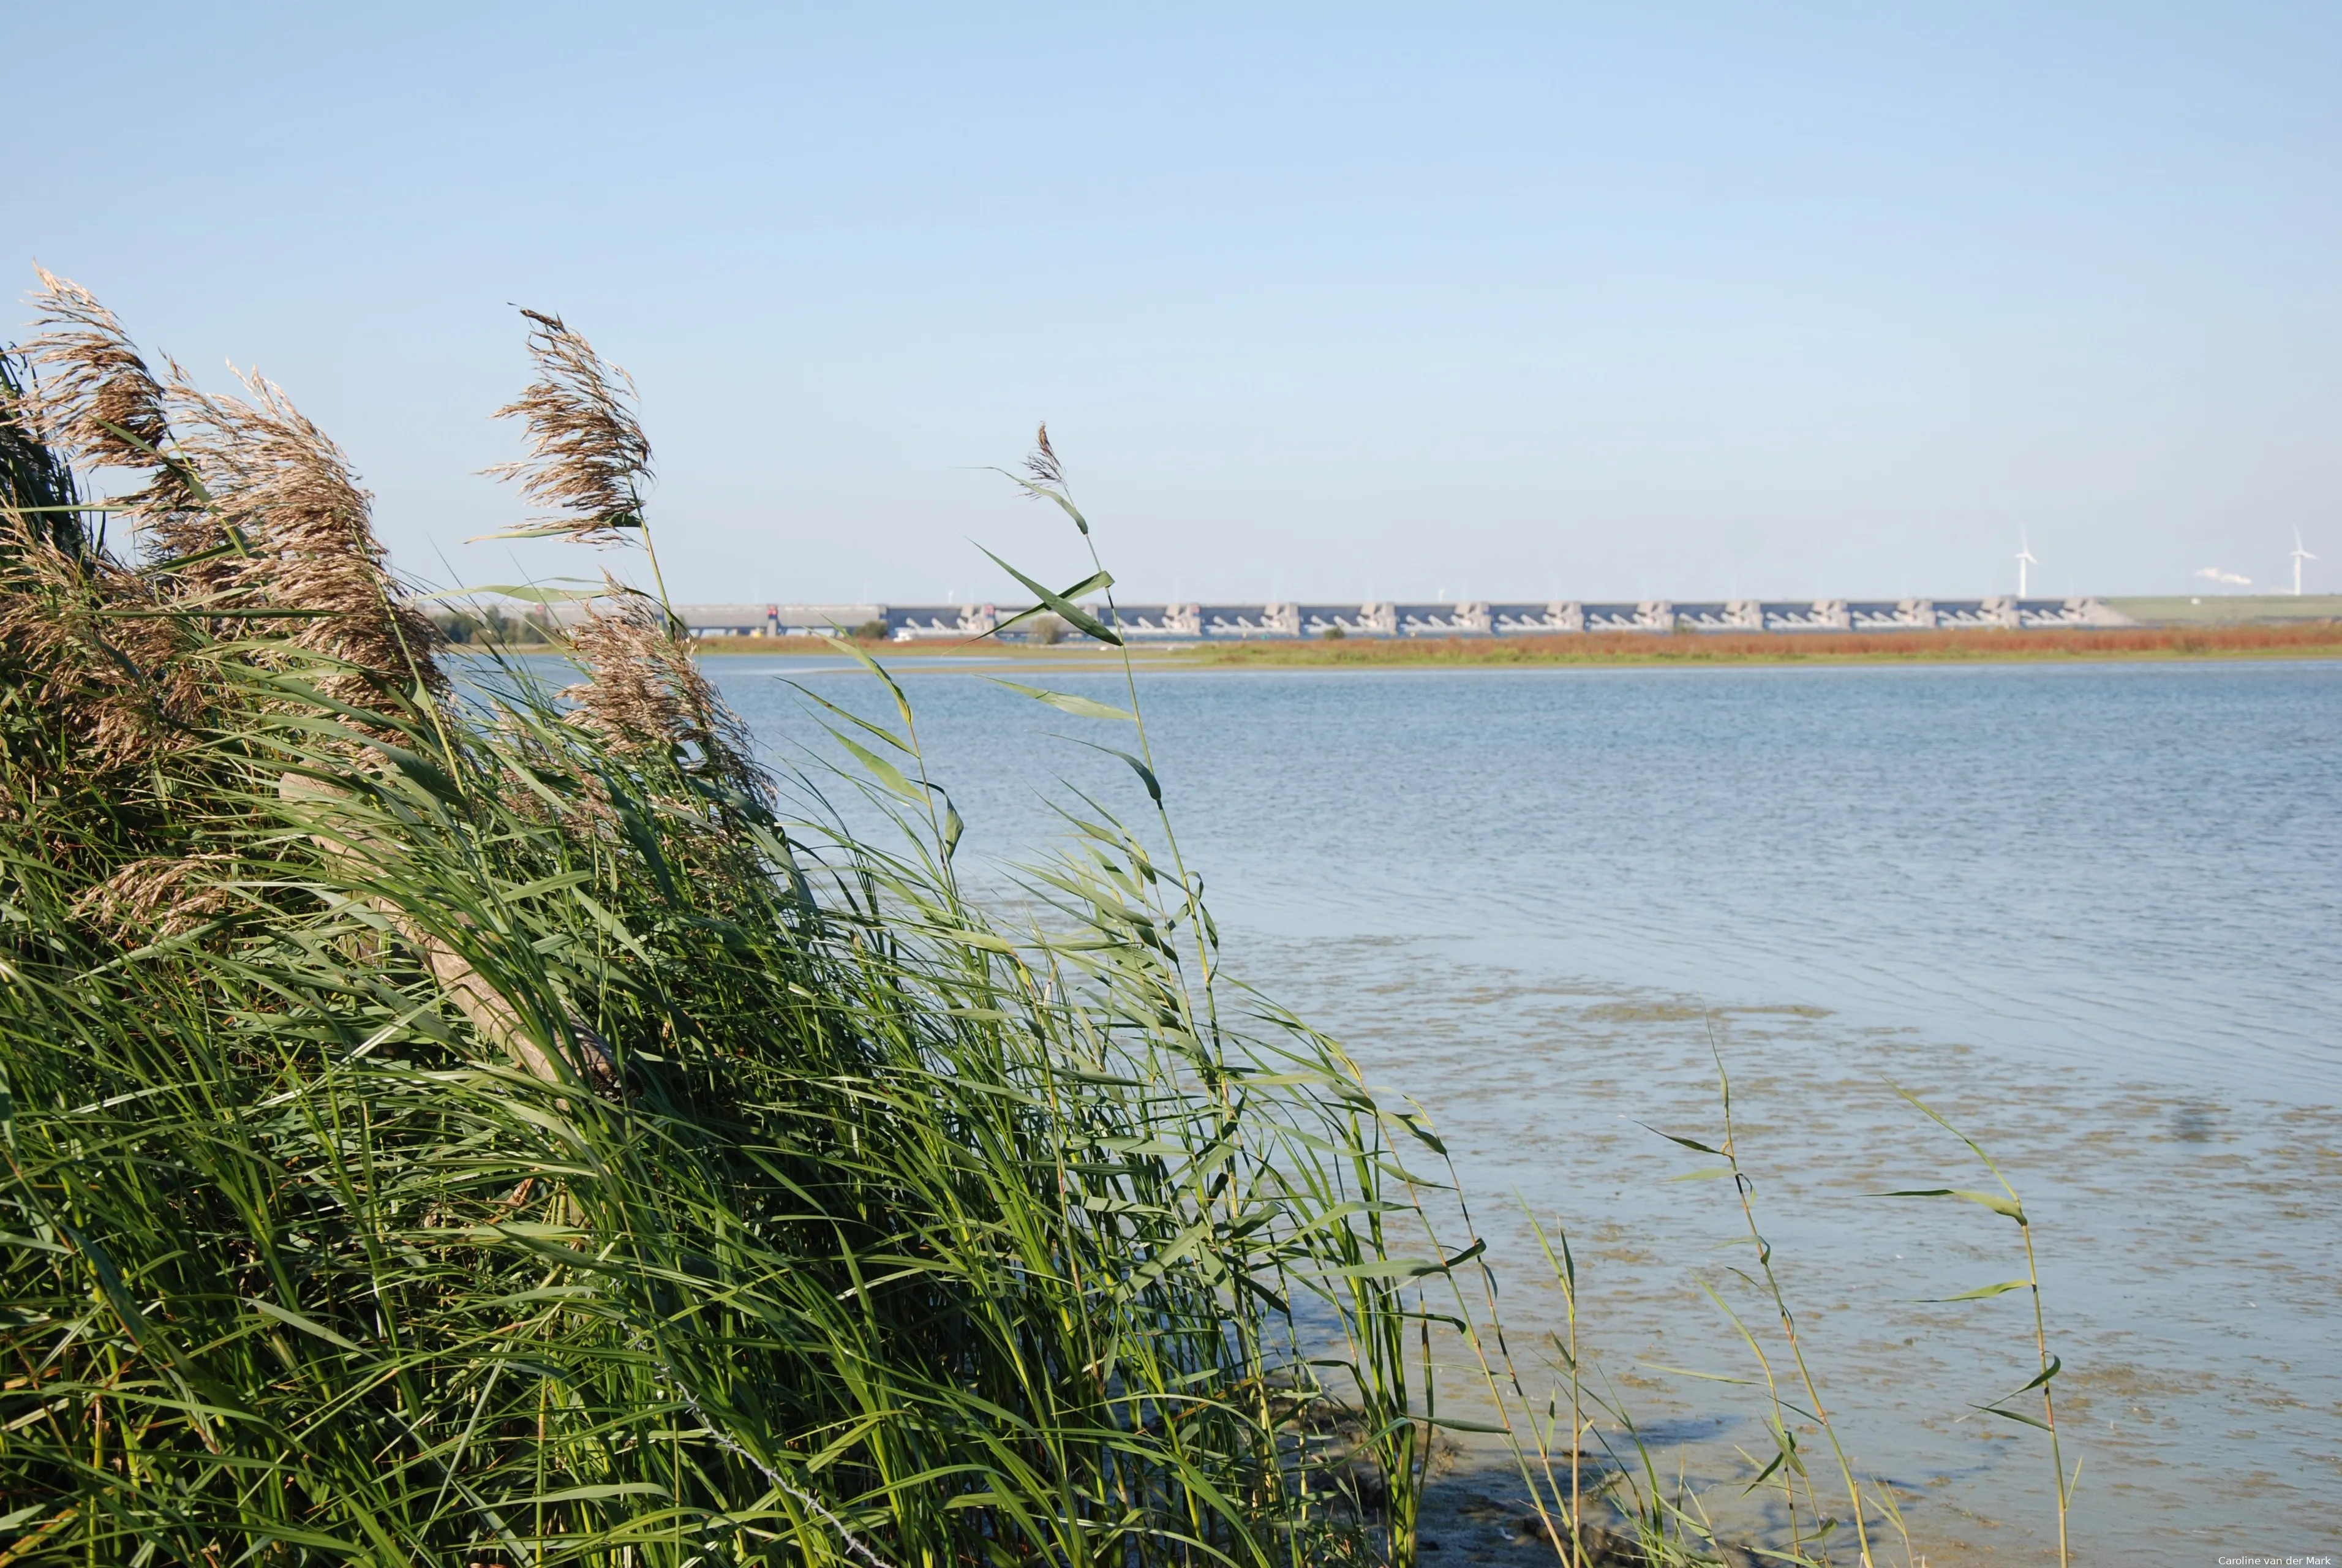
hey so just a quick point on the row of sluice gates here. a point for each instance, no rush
(1215, 623)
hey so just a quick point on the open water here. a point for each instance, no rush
(2089, 912)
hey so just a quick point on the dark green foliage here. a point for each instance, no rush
(33, 481)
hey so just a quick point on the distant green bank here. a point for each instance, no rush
(2231, 609)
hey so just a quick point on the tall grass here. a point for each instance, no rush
(463, 1122)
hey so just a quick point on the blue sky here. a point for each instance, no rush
(1319, 302)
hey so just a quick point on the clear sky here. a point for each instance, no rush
(1320, 302)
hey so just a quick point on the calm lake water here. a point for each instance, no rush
(2090, 911)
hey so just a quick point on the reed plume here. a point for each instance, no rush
(81, 643)
(588, 460)
(284, 486)
(647, 696)
(251, 507)
(1042, 463)
(99, 402)
(159, 896)
(98, 405)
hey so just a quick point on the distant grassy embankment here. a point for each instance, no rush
(2317, 640)
(2231, 609)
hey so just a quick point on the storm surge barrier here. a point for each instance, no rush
(1469, 618)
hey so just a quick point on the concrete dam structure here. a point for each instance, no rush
(1201, 623)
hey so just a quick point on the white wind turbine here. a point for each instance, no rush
(2300, 556)
(2024, 559)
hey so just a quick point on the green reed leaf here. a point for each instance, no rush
(1982, 1293)
(884, 772)
(2012, 1415)
(1993, 1201)
(2055, 1366)
(1692, 1144)
(876, 731)
(2052, 1370)
(1063, 604)
(1146, 774)
(852, 651)
(1703, 1376)
(527, 593)
(306, 1325)
(1083, 707)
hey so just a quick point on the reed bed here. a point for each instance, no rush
(477, 1123)
(468, 1122)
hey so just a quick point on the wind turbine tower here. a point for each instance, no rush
(2024, 559)
(2300, 556)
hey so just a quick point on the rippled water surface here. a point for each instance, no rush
(2090, 911)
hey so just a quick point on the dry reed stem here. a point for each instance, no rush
(588, 458)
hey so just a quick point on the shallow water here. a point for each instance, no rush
(2088, 911)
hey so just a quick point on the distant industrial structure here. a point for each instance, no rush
(1229, 623)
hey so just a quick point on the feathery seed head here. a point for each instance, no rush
(1042, 463)
(159, 896)
(588, 460)
(648, 695)
(97, 399)
(286, 488)
(81, 643)
(97, 403)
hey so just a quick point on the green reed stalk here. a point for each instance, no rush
(1744, 1188)
(1745, 1191)
(2008, 1203)
(1658, 1522)
(1786, 1462)
(1044, 480)
(1375, 1315)
(1564, 1271)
